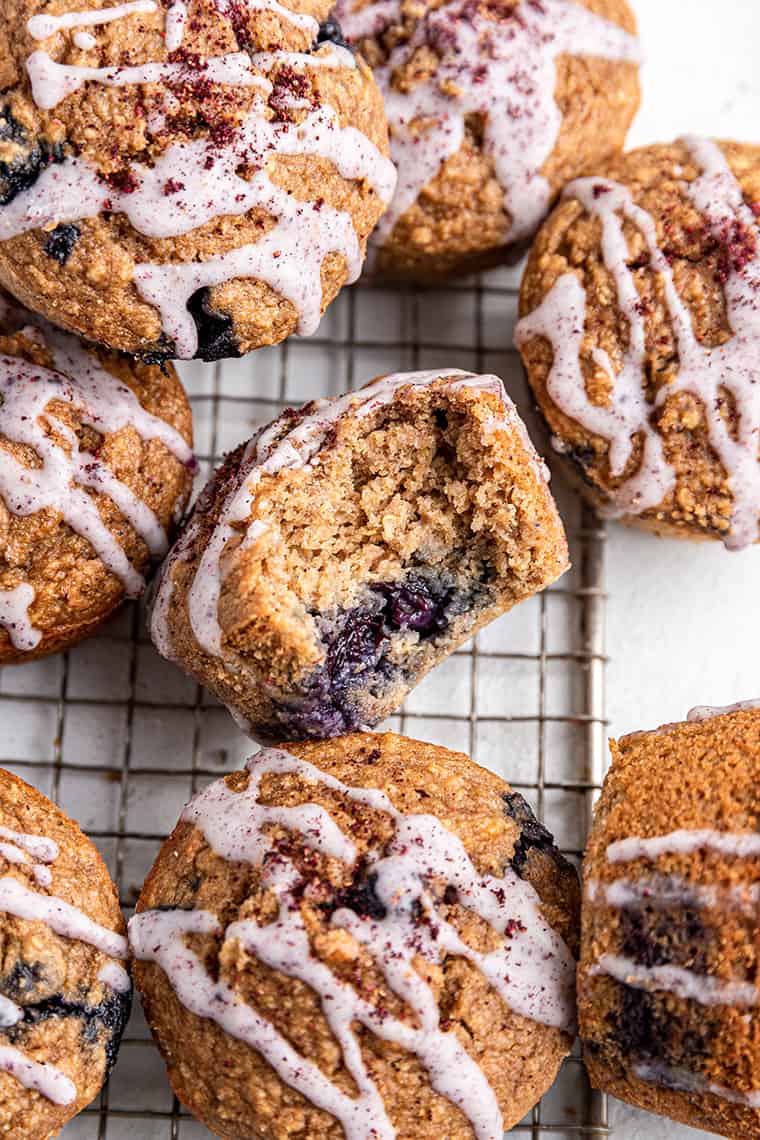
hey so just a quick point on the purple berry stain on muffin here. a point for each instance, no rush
(359, 647)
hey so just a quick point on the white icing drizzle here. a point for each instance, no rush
(85, 40)
(53, 82)
(43, 25)
(39, 846)
(501, 68)
(10, 1013)
(44, 1079)
(299, 20)
(370, 20)
(707, 712)
(676, 980)
(739, 844)
(64, 919)
(204, 181)
(115, 977)
(14, 854)
(681, 1080)
(532, 970)
(665, 891)
(271, 451)
(174, 28)
(14, 617)
(103, 402)
(704, 372)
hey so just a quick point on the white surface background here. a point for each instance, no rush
(683, 620)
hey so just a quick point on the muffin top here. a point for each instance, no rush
(189, 145)
(374, 943)
(64, 992)
(95, 469)
(492, 106)
(640, 333)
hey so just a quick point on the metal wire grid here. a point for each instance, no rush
(121, 740)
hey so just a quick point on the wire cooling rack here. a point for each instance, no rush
(121, 739)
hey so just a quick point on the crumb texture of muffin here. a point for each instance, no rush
(669, 980)
(193, 178)
(493, 105)
(640, 334)
(96, 468)
(380, 945)
(65, 993)
(353, 544)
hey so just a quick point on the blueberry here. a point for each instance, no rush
(361, 898)
(22, 172)
(533, 835)
(415, 606)
(61, 242)
(216, 335)
(639, 1026)
(358, 643)
(102, 1024)
(22, 979)
(672, 937)
(330, 32)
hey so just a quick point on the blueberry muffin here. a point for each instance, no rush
(380, 945)
(640, 337)
(668, 981)
(353, 544)
(492, 105)
(65, 993)
(95, 469)
(184, 178)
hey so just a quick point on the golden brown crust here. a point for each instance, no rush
(658, 176)
(74, 591)
(74, 1020)
(225, 1083)
(93, 293)
(701, 775)
(458, 222)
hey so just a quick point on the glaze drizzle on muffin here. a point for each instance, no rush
(660, 890)
(61, 469)
(195, 181)
(496, 61)
(64, 919)
(707, 373)
(532, 969)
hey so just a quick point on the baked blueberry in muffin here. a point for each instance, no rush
(353, 544)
